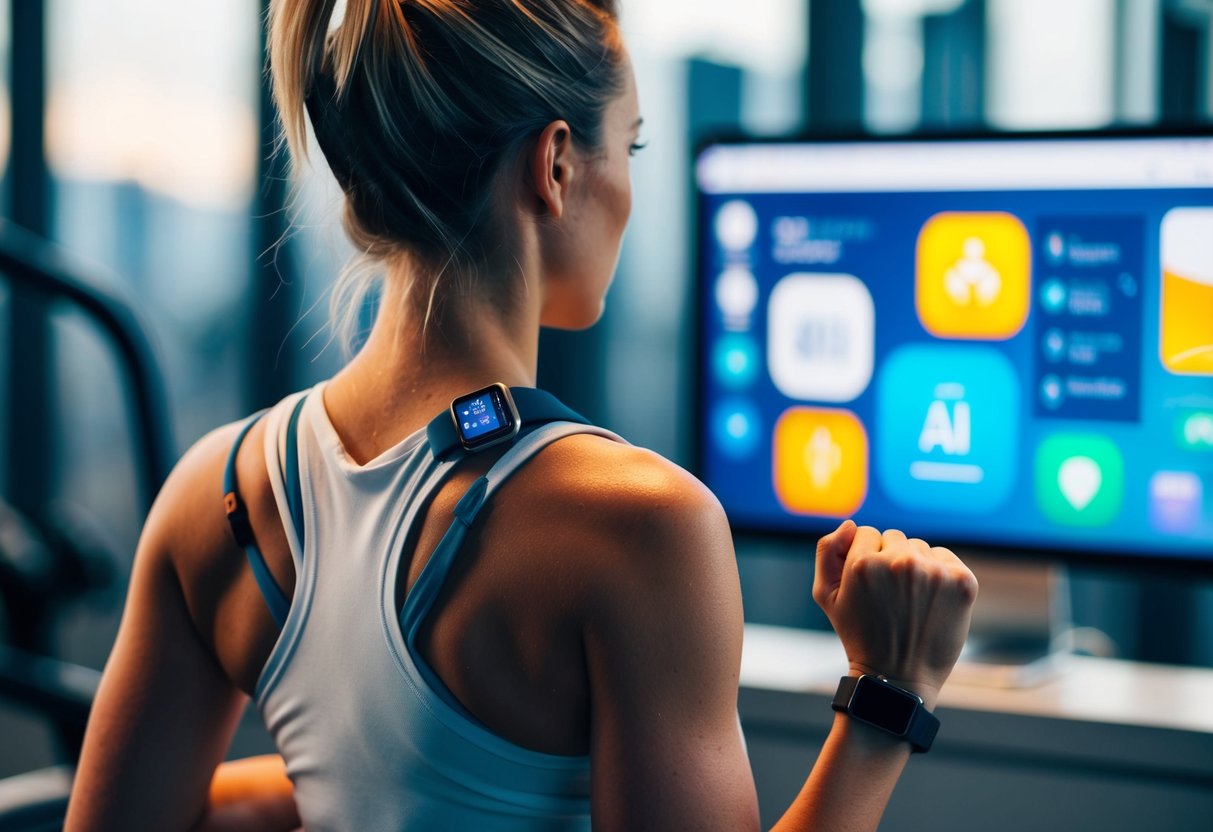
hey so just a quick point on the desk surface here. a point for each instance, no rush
(1089, 690)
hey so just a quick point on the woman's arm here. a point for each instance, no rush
(664, 647)
(165, 711)
(902, 610)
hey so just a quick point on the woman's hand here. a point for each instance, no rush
(900, 606)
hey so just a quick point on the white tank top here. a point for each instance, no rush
(371, 737)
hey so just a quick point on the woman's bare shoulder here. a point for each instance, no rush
(641, 512)
(188, 535)
(188, 515)
(188, 525)
(620, 479)
(643, 552)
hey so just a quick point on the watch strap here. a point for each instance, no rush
(923, 726)
(842, 696)
(534, 407)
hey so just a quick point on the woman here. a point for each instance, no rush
(576, 656)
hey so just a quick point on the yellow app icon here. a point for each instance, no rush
(973, 275)
(820, 462)
(1186, 342)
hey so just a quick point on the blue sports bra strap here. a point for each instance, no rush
(242, 530)
(290, 473)
(423, 594)
(237, 516)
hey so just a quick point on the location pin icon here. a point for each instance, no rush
(1079, 478)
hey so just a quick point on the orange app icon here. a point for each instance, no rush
(820, 462)
(1186, 343)
(973, 275)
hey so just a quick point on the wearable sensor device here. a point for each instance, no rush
(881, 704)
(485, 418)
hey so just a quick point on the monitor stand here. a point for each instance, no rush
(1021, 627)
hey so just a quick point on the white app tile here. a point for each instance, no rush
(821, 331)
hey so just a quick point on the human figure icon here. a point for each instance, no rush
(973, 278)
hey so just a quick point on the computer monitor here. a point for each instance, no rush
(1000, 342)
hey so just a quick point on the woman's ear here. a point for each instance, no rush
(552, 168)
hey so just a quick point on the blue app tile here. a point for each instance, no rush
(735, 360)
(736, 428)
(947, 428)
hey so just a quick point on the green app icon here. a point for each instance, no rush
(1080, 479)
(1196, 431)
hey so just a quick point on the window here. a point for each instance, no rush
(151, 143)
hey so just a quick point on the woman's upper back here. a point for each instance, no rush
(543, 576)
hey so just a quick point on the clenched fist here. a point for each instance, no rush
(900, 606)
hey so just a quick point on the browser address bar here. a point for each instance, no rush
(1012, 165)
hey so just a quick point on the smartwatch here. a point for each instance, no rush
(493, 415)
(878, 702)
(485, 418)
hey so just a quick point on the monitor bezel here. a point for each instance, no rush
(1168, 563)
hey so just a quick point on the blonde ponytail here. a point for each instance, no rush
(415, 103)
(297, 33)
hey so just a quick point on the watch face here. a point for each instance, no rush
(485, 417)
(883, 705)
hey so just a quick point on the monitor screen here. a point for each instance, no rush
(996, 341)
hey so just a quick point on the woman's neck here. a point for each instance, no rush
(407, 372)
(459, 339)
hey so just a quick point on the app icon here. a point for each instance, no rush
(820, 462)
(737, 295)
(1051, 392)
(1175, 501)
(974, 275)
(947, 428)
(736, 225)
(1186, 343)
(821, 331)
(1079, 479)
(1053, 296)
(1196, 430)
(1055, 345)
(735, 359)
(736, 428)
(1055, 247)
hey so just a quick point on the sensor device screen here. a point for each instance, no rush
(485, 417)
(882, 705)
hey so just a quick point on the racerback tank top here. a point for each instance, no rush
(371, 737)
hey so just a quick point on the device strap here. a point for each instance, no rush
(534, 407)
(237, 512)
(924, 725)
